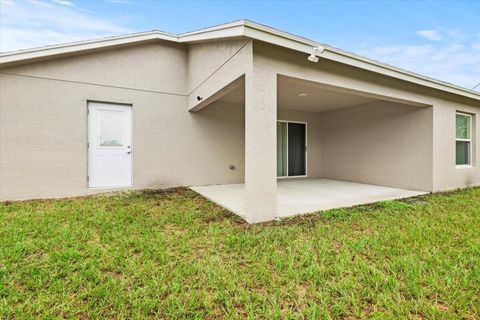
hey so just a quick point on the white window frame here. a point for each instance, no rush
(470, 141)
(306, 150)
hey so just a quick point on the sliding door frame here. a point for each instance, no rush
(306, 149)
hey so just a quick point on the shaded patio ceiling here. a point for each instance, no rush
(303, 96)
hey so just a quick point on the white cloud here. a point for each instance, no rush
(432, 35)
(417, 51)
(64, 3)
(33, 23)
(120, 1)
(452, 59)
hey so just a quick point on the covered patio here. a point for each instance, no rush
(300, 196)
(312, 143)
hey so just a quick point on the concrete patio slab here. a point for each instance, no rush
(300, 196)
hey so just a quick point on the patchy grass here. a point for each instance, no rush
(172, 254)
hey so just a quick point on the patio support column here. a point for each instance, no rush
(260, 144)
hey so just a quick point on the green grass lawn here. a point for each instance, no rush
(172, 254)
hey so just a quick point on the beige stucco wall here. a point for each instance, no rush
(157, 67)
(43, 123)
(216, 68)
(379, 143)
(446, 175)
(205, 58)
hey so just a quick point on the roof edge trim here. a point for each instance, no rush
(30, 54)
(240, 28)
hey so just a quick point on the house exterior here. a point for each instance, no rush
(235, 103)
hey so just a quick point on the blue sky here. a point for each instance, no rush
(440, 39)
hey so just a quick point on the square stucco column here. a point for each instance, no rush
(260, 145)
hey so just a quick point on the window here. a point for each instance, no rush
(111, 128)
(463, 139)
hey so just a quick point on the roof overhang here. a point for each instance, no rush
(241, 28)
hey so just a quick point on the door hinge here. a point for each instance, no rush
(88, 144)
(88, 178)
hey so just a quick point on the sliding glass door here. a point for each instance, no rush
(291, 149)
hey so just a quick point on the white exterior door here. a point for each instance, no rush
(109, 145)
